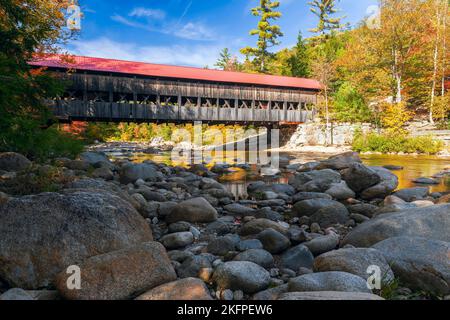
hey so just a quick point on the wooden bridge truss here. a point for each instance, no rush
(121, 98)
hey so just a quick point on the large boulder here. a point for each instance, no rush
(430, 222)
(329, 295)
(340, 191)
(388, 183)
(177, 240)
(193, 266)
(11, 161)
(184, 289)
(103, 173)
(271, 293)
(340, 161)
(45, 233)
(359, 177)
(310, 195)
(355, 261)
(221, 246)
(257, 189)
(297, 257)
(121, 274)
(323, 211)
(259, 256)
(16, 294)
(420, 263)
(282, 188)
(314, 181)
(130, 172)
(255, 226)
(149, 194)
(241, 275)
(93, 158)
(412, 194)
(328, 281)
(322, 244)
(273, 241)
(99, 184)
(192, 210)
(239, 209)
(365, 209)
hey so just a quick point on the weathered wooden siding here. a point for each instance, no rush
(126, 98)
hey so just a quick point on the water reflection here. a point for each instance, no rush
(413, 167)
(238, 180)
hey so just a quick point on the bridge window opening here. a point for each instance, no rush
(263, 105)
(277, 105)
(147, 99)
(97, 96)
(294, 106)
(208, 102)
(226, 103)
(245, 104)
(122, 98)
(168, 101)
(71, 95)
(189, 101)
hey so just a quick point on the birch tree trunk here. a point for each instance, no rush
(444, 47)
(397, 76)
(435, 61)
(327, 116)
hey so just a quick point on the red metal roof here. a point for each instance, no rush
(168, 71)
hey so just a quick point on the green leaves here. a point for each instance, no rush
(266, 32)
(349, 105)
(324, 9)
(28, 26)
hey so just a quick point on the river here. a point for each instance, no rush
(237, 181)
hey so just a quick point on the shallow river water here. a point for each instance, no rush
(237, 181)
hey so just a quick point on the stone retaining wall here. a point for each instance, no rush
(315, 134)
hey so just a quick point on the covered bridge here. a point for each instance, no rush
(116, 90)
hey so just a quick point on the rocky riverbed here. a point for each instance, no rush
(151, 231)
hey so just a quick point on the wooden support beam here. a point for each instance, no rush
(85, 97)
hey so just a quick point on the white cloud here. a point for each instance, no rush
(147, 13)
(127, 22)
(194, 31)
(193, 55)
(191, 30)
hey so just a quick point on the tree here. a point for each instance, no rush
(394, 116)
(227, 61)
(324, 70)
(324, 9)
(392, 61)
(442, 108)
(441, 11)
(280, 63)
(349, 105)
(267, 33)
(299, 63)
(27, 28)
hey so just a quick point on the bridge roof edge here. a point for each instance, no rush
(170, 71)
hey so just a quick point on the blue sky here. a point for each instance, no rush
(187, 32)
